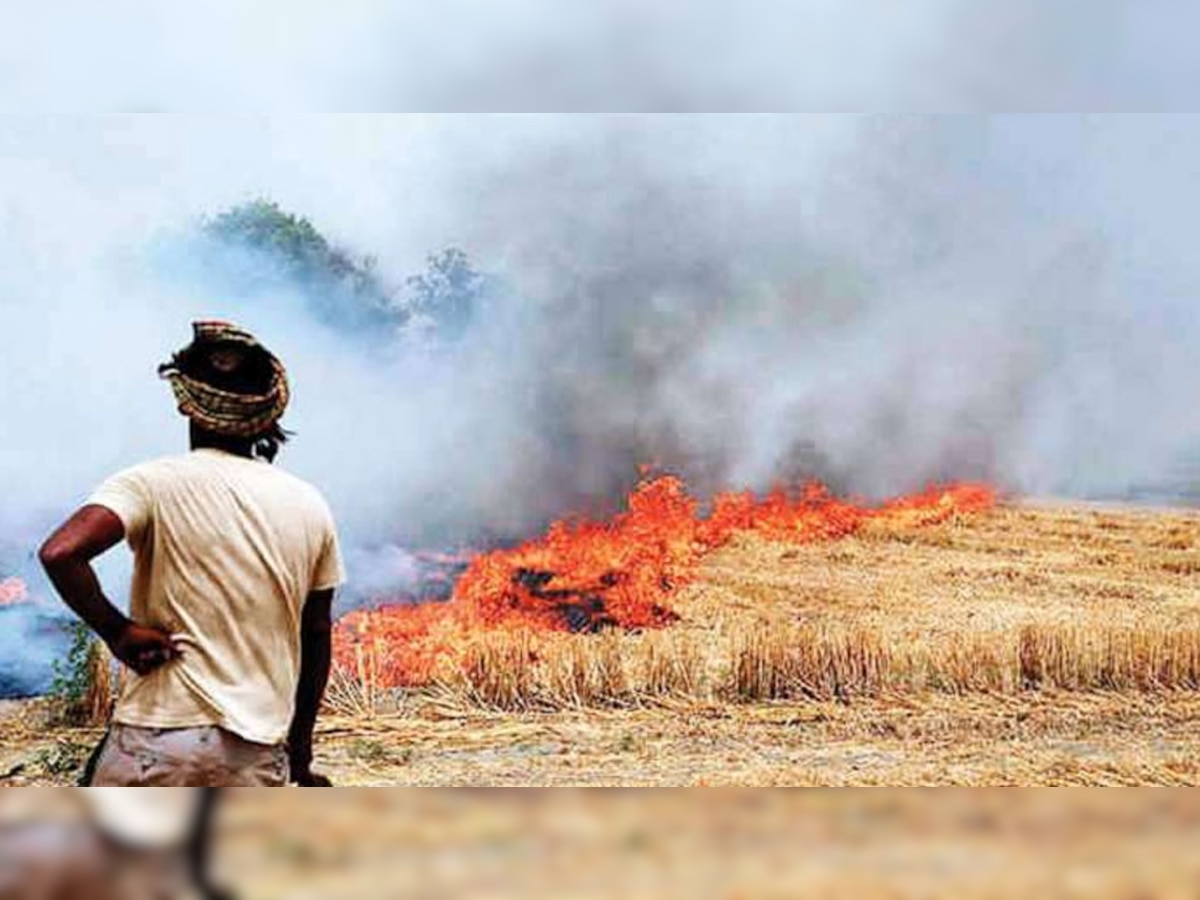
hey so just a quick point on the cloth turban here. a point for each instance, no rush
(208, 378)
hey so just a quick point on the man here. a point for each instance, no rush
(235, 566)
(106, 844)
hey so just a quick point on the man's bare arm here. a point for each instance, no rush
(316, 655)
(67, 558)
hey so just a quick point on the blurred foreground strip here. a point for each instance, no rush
(99, 844)
(716, 843)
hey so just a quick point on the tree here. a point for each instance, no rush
(260, 247)
(449, 293)
(342, 290)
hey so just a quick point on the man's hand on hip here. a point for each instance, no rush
(143, 649)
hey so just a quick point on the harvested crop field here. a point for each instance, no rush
(1030, 645)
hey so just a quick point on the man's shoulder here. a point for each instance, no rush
(150, 470)
(196, 468)
(298, 484)
(303, 491)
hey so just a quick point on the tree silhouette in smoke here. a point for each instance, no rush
(261, 246)
(341, 290)
(448, 294)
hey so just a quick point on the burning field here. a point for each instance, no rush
(623, 576)
(943, 639)
(950, 638)
(748, 602)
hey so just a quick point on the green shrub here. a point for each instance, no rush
(72, 684)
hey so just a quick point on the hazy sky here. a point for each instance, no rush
(893, 298)
(600, 55)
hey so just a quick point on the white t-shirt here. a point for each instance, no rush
(226, 551)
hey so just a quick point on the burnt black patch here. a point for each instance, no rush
(583, 610)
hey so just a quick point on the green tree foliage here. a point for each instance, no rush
(342, 290)
(449, 293)
(262, 246)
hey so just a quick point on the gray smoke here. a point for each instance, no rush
(877, 300)
(881, 302)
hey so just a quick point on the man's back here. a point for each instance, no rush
(229, 637)
(227, 549)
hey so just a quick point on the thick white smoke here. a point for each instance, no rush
(878, 300)
(933, 297)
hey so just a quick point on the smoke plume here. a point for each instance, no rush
(876, 300)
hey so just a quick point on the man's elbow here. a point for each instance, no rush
(55, 554)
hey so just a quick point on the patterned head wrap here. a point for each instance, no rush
(202, 374)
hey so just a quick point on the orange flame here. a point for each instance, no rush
(623, 573)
